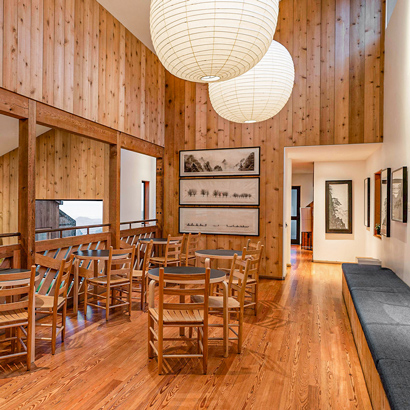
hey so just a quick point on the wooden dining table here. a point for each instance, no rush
(216, 276)
(19, 282)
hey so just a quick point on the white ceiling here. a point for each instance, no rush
(9, 133)
(326, 153)
(134, 15)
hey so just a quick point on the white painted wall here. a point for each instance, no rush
(287, 201)
(305, 181)
(338, 247)
(136, 168)
(395, 153)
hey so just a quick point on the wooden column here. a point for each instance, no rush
(114, 192)
(160, 196)
(27, 173)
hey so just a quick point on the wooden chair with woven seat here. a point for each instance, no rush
(172, 255)
(15, 315)
(51, 304)
(235, 305)
(254, 252)
(191, 315)
(190, 247)
(117, 283)
(139, 273)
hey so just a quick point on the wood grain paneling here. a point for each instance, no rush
(74, 55)
(67, 167)
(338, 51)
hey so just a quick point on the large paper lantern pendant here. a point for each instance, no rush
(260, 93)
(211, 40)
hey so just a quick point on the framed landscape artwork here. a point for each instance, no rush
(219, 221)
(232, 191)
(385, 202)
(339, 207)
(367, 202)
(219, 162)
(399, 195)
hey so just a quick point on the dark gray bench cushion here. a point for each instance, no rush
(388, 341)
(355, 268)
(382, 280)
(395, 377)
(387, 308)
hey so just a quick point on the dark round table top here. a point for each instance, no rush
(216, 275)
(218, 253)
(7, 271)
(103, 253)
(16, 281)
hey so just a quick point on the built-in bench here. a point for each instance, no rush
(378, 304)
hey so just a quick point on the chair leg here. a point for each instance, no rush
(130, 298)
(85, 298)
(256, 298)
(63, 321)
(107, 303)
(160, 347)
(29, 347)
(54, 332)
(142, 288)
(150, 336)
(205, 352)
(240, 331)
(18, 335)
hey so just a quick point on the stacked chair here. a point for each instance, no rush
(139, 273)
(190, 246)
(172, 255)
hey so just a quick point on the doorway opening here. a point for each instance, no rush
(295, 216)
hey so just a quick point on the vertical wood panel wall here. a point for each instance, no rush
(74, 55)
(338, 51)
(67, 167)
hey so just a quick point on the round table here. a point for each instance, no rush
(90, 255)
(217, 276)
(216, 254)
(16, 282)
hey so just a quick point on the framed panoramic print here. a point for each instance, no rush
(339, 207)
(399, 195)
(210, 191)
(219, 221)
(385, 202)
(219, 162)
(367, 202)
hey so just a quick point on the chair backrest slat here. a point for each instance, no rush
(173, 248)
(192, 244)
(120, 262)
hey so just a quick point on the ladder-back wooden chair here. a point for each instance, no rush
(191, 246)
(16, 315)
(172, 255)
(192, 315)
(254, 252)
(51, 304)
(139, 276)
(236, 301)
(117, 283)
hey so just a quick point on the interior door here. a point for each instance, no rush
(295, 216)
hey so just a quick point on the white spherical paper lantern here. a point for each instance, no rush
(212, 40)
(260, 93)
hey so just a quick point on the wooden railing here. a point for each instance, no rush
(144, 222)
(10, 256)
(70, 228)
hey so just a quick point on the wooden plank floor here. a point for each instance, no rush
(298, 354)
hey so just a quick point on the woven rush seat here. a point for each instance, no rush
(161, 259)
(46, 302)
(14, 316)
(115, 279)
(137, 273)
(217, 302)
(179, 316)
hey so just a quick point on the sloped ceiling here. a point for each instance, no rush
(134, 15)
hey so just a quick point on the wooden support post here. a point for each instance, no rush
(27, 173)
(160, 195)
(114, 193)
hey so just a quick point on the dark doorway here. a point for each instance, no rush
(295, 216)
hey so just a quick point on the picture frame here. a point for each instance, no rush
(399, 187)
(367, 202)
(219, 221)
(220, 162)
(385, 202)
(339, 204)
(217, 191)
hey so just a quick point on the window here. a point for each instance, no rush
(54, 214)
(144, 200)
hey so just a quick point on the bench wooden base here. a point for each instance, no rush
(371, 375)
